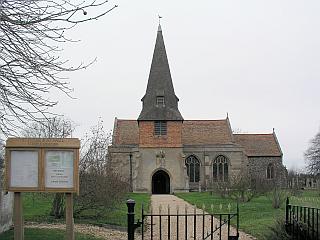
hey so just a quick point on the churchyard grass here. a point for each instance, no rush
(257, 215)
(48, 234)
(118, 214)
(37, 208)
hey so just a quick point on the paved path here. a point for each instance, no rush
(160, 204)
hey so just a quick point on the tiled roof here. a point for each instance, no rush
(259, 144)
(205, 132)
(198, 132)
(125, 132)
(194, 132)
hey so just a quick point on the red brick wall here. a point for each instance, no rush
(148, 139)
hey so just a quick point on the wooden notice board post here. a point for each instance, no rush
(42, 165)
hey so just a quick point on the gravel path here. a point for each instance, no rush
(101, 232)
(160, 204)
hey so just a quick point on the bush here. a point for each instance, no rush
(277, 231)
(99, 190)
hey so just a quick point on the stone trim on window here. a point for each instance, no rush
(270, 171)
(220, 169)
(193, 168)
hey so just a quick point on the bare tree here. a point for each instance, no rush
(94, 149)
(312, 155)
(31, 33)
(100, 187)
(55, 127)
(238, 131)
(1, 161)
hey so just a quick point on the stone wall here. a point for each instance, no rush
(6, 209)
(150, 160)
(145, 161)
(119, 158)
(237, 162)
(258, 169)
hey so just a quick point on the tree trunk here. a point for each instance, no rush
(57, 208)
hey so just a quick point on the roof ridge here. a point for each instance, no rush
(253, 134)
(205, 120)
(126, 119)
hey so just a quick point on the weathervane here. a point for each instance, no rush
(159, 18)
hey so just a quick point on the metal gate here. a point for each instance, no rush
(302, 222)
(183, 224)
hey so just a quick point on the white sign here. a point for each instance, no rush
(59, 169)
(24, 169)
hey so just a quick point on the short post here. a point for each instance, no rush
(18, 217)
(131, 225)
(238, 219)
(69, 216)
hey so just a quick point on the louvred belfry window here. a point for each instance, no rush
(160, 101)
(160, 128)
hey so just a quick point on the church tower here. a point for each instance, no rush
(160, 121)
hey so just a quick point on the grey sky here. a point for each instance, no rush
(257, 60)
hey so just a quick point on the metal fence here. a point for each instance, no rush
(302, 223)
(183, 224)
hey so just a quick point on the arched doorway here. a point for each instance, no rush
(160, 183)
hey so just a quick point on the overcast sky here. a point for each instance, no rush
(258, 60)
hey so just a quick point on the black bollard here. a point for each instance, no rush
(131, 225)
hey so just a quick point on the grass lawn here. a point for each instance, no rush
(37, 208)
(118, 214)
(256, 216)
(48, 234)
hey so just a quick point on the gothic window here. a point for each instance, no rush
(220, 169)
(160, 128)
(270, 171)
(193, 168)
(160, 101)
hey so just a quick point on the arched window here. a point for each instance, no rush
(220, 169)
(270, 171)
(193, 168)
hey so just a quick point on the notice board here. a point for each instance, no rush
(42, 164)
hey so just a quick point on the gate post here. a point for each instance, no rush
(288, 219)
(287, 211)
(131, 225)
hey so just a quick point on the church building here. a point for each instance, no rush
(161, 152)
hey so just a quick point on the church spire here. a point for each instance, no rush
(160, 101)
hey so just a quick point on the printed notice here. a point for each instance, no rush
(59, 169)
(24, 169)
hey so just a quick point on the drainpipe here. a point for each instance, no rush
(130, 179)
